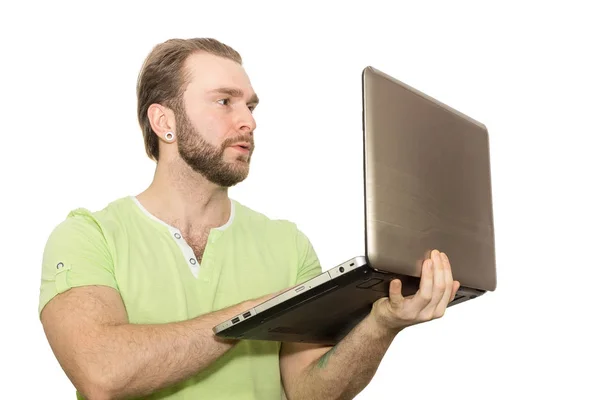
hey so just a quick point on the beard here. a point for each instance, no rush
(207, 159)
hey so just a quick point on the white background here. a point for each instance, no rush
(529, 71)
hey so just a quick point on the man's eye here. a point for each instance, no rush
(223, 102)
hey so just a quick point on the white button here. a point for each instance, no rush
(193, 261)
(177, 236)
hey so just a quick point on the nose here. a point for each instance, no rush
(246, 122)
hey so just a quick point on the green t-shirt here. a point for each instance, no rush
(160, 281)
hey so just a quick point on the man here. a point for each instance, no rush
(130, 294)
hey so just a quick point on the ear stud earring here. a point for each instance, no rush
(169, 136)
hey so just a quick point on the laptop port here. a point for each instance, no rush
(235, 320)
(342, 269)
(247, 315)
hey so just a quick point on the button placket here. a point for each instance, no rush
(206, 275)
(187, 251)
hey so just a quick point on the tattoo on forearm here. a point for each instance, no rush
(325, 358)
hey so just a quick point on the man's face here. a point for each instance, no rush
(215, 127)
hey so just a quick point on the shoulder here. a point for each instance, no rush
(249, 217)
(278, 232)
(77, 253)
(83, 222)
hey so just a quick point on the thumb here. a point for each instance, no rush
(396, 297)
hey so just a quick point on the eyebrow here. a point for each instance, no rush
(234, 92)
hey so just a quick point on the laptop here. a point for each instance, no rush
(427, 186)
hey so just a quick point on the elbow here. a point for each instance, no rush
(91, 392)
(95, 385)
(95, 394)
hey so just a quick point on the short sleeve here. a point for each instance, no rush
(309, 264)
(76, 254)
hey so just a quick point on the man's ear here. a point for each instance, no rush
(162, 120)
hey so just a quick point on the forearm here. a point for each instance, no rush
(135, 360)
(347, 368)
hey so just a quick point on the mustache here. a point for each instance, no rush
(241, 138)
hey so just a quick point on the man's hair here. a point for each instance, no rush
(162, 79)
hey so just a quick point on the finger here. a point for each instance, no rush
(396, 297)
(453, 284)
(446, 263)
(423, 296)
(441, 306)
(439, 279)
(449, 277)
(455, 287)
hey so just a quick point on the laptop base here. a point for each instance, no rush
(327, 313)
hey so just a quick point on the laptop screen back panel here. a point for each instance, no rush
(427, 184)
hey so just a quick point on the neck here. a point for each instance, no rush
(185, 199)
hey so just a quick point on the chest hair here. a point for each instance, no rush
(198, 243)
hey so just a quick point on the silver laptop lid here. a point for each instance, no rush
(427, 183)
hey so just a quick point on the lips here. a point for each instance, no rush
(242, 146)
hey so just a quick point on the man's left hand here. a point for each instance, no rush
(436, 290)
